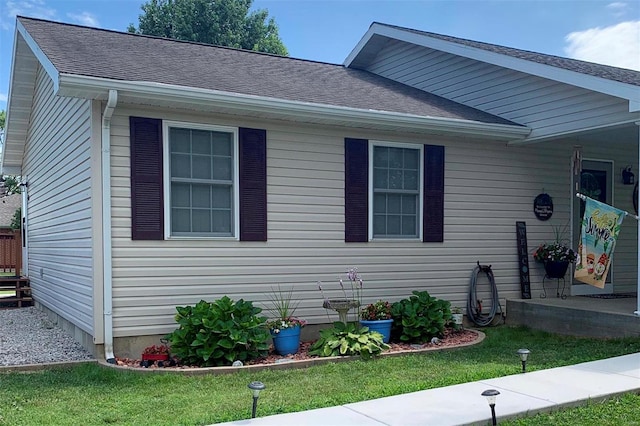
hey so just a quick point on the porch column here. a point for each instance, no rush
(637, 311)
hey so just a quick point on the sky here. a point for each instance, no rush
(606, 32)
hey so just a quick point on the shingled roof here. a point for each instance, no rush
(621, 75)
(85, 51)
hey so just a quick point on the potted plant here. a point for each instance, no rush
(156, 353)
(284, 326)
(555, 256)
(377, 317)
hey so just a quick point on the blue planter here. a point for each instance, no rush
(381, 326)
(287, 341)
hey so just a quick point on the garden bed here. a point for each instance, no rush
(451, 339)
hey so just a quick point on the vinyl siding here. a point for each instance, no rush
(57, 164)
(547, 107)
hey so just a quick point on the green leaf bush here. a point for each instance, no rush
(420, 317)
(348, 339)
(218, 333)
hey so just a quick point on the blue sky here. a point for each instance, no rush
(598, 31)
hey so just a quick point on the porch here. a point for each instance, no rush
(589, 316)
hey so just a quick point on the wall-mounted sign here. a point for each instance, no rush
(543, 207)
(523, 259)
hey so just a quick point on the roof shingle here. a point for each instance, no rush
(116, 55)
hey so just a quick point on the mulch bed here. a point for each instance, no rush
(451, 338)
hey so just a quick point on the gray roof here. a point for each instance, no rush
(116, 55)
(621, 75)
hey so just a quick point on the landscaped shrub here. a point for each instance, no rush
(218, 333)
(348, 339)
(420, 317)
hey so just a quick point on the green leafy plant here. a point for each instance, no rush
(16, 220)
(348, 339)
(420, 317)
(218, 333)
(282, 310)
(380, 310)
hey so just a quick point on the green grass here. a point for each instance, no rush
(95, 395)
(618, 411)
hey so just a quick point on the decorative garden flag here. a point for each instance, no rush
(600, 229)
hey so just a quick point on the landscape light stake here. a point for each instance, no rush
(491, 394)
(523, 354)
(255, 387)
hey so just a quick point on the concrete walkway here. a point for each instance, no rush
(462, 404)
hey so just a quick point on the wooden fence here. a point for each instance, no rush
(10, 251)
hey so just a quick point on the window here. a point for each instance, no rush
(202, 184)
(391, 193)
(395, 189)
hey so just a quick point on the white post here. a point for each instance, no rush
(637, 312)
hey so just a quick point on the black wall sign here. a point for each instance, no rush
(543, 207)
(523, 259)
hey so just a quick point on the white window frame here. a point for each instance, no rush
(420, 148)
(166, 125)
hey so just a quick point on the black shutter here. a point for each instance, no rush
(147, 205)
(356, 190)
(253, 184)
(433, 218)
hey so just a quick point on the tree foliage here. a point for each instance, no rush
(219, 22)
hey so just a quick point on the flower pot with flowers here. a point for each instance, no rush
(556, 256)
(377, 317)
(285, 328)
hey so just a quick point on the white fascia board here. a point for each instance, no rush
(361, 44)
(590, 82)
(40, 56)
(97, 88)
(545, 138)
(8, 110)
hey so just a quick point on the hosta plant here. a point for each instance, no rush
(420, 317)
(218, 333)
(348, 339)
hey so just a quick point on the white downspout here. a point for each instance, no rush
(106, 226)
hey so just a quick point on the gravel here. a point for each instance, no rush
(27, 336)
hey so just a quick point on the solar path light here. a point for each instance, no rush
(523, 354)
(256, 388)
(491, 395)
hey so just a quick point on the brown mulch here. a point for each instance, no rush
(451, 338)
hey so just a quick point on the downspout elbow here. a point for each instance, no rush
(107, 284)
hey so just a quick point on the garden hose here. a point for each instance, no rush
(474, 306)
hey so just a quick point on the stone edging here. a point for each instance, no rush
(303, 363)
(37, 367)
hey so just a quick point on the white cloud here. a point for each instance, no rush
(617, 45)
(3, 97)
(31, 8)
(84, 18)
(618, 8)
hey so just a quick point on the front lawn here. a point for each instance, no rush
(95, 395)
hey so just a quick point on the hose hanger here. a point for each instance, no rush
(474, 305)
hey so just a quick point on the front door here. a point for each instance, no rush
(596, 181)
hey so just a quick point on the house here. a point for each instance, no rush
(159, 172)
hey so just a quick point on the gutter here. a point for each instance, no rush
(107, 285)
(145, 92)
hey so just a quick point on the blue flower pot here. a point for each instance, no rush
(381, 326)
(287, 341)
